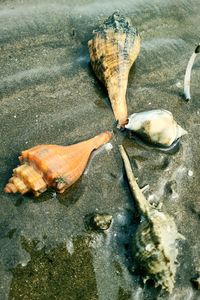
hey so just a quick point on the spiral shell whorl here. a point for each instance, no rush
(25, 178)
(112, 49)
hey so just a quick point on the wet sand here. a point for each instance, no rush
(49, 94)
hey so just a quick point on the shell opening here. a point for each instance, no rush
(146, 143)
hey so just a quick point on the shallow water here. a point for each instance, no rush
(49, 94)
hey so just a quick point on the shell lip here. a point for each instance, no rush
(145, 142)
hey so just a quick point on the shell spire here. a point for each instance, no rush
(53, 166)
(113, 50)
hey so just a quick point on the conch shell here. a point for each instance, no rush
(154, 244)
(53, 166)
(156, 126)
(113, 49)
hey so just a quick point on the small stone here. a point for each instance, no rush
(108, 147)
(153, 200)
(101, 221)
(190, 173)
(178, 84)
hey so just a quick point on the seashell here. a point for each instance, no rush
(113, 49)
(156, 126)
(53, 166)
(154, 244)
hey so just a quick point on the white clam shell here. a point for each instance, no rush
(157, 125)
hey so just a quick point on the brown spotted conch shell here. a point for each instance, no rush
(154, 244)
(113, 50)
(53, 166)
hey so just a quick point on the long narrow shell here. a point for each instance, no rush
(156, 126)
(53, 166)
(154, 244)
(113, 49)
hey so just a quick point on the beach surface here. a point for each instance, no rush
(50, 95)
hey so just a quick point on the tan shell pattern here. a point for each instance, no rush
(113, 50)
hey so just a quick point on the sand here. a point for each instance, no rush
(49, 94)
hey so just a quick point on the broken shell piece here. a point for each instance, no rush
(154, 244)
(53, 166)
(101, 221)
(188, 73)
(113, 50)
(156, 127)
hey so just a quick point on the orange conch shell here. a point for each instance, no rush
(113, 49)
(53, 166)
